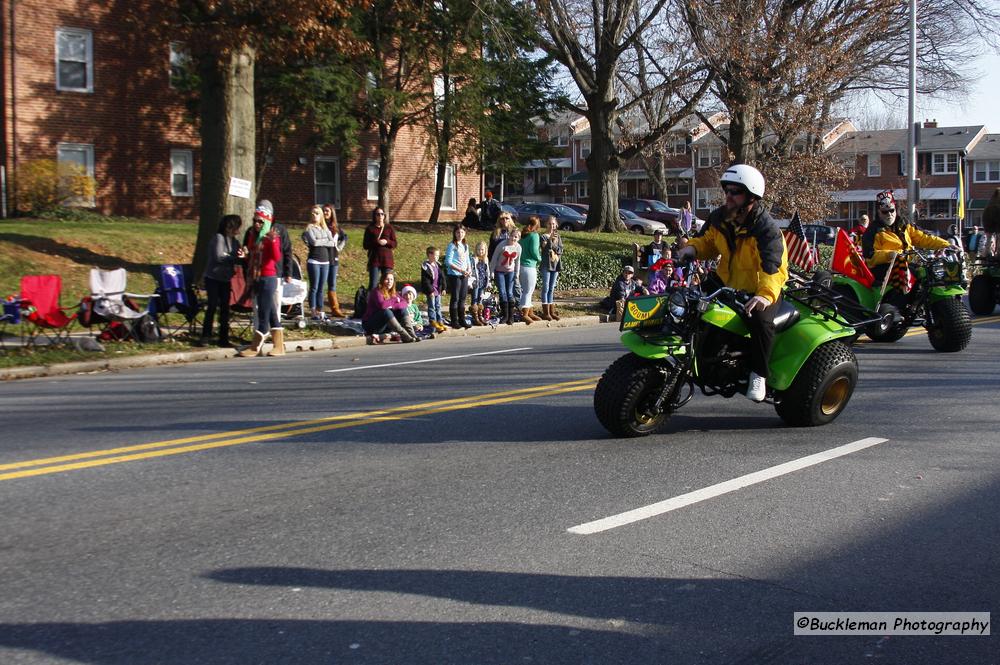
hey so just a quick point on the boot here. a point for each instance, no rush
(508, 313)
(477, 315)
(331, 298)
(404, 336)
(526, 315)
(545, 313)
(278, 341)
(255, 346)
(438, 326)
(552, 312)
(531, 314)
(461, 317)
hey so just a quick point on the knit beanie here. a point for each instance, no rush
(264, 212)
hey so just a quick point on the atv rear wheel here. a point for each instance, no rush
(982, 296)
(822, 388)
(952, 327)
(624, 397)
(891, 328)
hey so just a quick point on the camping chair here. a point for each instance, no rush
(11, 317)
(113, 307)
(42, 315)
(175, 293)
(240, 307)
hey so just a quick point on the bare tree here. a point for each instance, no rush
(593, 41)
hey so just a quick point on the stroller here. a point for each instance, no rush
(293, 298)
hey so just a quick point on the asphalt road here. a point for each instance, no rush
(412, 504)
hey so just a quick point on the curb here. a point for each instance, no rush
(291, 347)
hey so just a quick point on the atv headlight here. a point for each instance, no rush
(677, 304)
(938, 271)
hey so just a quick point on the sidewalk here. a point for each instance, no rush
(299, 345)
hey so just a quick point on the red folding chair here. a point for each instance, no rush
(42, 314)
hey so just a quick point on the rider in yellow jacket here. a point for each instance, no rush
(753, 259)
(892, 235)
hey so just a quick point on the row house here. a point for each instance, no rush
(878, 159)
(81, 85)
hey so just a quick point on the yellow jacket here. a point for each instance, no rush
(754, 256)
(888, 241)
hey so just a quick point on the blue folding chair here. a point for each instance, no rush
(11, 317)
(175, 294)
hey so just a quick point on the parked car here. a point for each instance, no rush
(820, 234)
(657, 211)
(581, 208)
(641, 225)
(507, 207)
(569, 219)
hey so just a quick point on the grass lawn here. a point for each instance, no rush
(72, 247)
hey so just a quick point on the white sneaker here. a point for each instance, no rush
(756, 388)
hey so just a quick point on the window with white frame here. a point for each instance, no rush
(373, 170)
(181, 173)
(74, 60)
(74, 159)
(326, 178)
(560, 137)
(709, 198)
(874, 165)
(678, 144)
(448, 194)
(709, 156)
(180, 65)
(583, 190)
(584, 148)
(944, 163)
(986, 171)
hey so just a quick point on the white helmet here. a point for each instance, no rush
(746, 175)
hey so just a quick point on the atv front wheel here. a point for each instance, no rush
(891, 328)
(625, 395)
(982, 297)
(822, 388)
(952, 327)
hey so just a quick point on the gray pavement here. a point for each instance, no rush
(421, 530)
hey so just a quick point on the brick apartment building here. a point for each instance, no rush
(877, 159)
(79, 84)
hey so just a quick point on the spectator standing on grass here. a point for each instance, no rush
(501, 229)
(340, 241)
(687, 218)
(284, 266)
(380, 240)
(551, 250)
(319, 243)
(223, 254)
(459, 268)
(432, 285)
(263, 249)
(479, 282)
(530, 256)
(505, 262)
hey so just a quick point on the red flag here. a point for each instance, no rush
(799, 251)
(848, 262)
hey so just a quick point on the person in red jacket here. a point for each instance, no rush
(380, 240)
(263, 270)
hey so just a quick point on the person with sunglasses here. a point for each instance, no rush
(753, 258)
(892, 234)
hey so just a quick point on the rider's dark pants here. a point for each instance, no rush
(762, 338)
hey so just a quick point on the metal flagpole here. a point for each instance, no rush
(911, 185)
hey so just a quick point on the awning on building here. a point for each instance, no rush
(978, 204)
(579, 176)
(864, 195)
(928, 193)
(561, 163)
(632, 174)
(640, 174)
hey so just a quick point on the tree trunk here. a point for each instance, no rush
(386, 154)
(603, 166)
(743, 132)
(227, 144)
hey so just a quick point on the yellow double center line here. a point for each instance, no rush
(47, 465)
(975, 322)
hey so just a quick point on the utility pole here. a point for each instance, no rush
(912, 190)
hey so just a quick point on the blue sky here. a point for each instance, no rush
(981, 108)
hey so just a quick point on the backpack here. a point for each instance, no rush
(360, 302)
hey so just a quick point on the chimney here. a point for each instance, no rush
(930, 124)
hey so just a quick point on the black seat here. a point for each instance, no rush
(786, 317)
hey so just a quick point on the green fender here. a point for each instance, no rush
(943, 292)
(794, 346)
(868, 297)
(653, 348)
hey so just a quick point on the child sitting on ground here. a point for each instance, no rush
(413, 315)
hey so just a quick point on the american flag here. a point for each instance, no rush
(799, 251)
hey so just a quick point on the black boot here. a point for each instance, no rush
(508, 307)
(461, 318)
(394, 326)
(453, 315)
